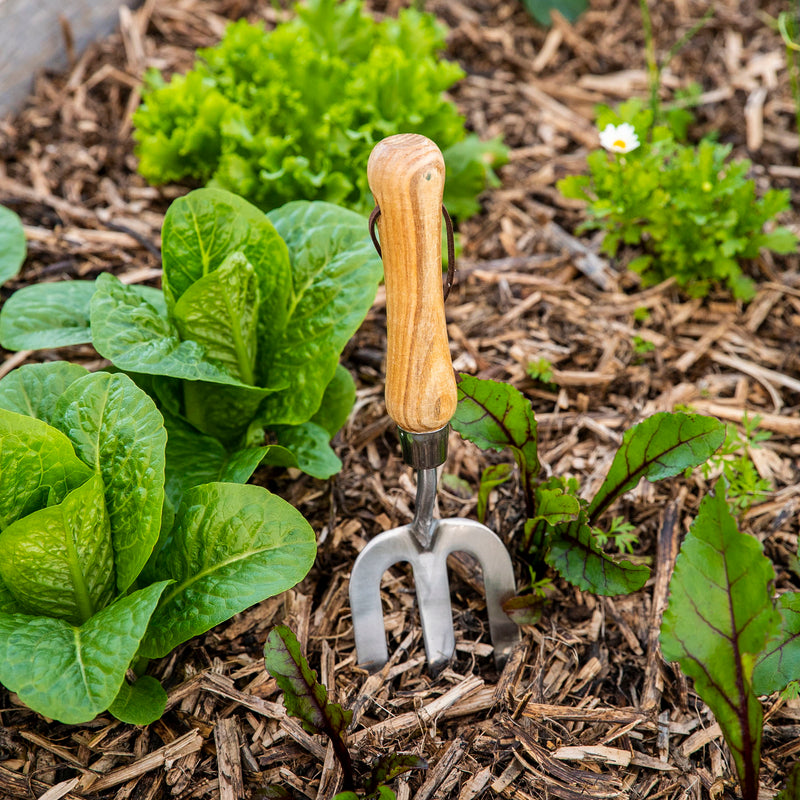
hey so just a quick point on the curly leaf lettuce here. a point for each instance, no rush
(293, 113)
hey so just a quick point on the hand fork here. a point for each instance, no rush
(406, 176)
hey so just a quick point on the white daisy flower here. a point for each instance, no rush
(619, 138)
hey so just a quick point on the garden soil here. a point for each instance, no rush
(586, 707)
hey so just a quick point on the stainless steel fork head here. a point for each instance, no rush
(429, 565)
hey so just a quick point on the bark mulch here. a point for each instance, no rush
(586, 708)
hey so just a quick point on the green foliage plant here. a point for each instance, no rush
(306, 699)
(727, 632)
(691, 211)
(98, 571)
(541, 370)
(293, 113)
(733, 461)
(13, 247)
(642, 346)
(241, 348)
(621, 532)
(562, 529)
(569, 9)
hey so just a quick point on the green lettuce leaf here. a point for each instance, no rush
(73, 673)
(232, 546)
(8, 603)
(335, 274)
(137, 337)
(166, 392)
(309, 445)
(58, 561)
(222, 411)
(34, 389)
(194, 458)
(660, 447)
(117, 430)
(50, 315)
(139, 703)
(219, 311)
(540, 9)
(47, 315)
(38, 466)
(469, 170)
(337, 402)
(13, 247)
(204, 228)
(720, 616)
(247, 119)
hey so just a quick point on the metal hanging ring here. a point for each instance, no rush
(373, 219)
(451, 247)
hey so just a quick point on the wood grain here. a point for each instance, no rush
(406, 176)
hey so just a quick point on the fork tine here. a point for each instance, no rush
(377, 556)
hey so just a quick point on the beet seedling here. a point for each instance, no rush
(725, 630)
(306, 699)
(561, 528)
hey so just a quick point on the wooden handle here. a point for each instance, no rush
(406, 176)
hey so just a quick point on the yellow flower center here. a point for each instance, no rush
(619, 143)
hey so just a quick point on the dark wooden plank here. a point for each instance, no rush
(32, 38)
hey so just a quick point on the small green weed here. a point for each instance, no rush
(788, 25)
(745, 485)
(621, 533)
(541, 370)
(642, 346)
(792, 691)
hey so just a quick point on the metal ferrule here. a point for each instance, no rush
(424, 450)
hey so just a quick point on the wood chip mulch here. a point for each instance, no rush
(586, 708)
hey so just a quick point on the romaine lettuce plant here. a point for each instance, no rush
(241, 349)
(562, 529)
(98, 571)
(725, 630)
(13, 247)
(293, 113)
